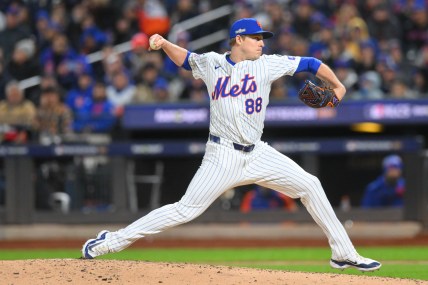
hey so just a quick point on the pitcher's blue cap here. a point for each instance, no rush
(248, 26)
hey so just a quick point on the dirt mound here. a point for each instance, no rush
(75, 271)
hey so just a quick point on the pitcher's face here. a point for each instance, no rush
(252, 46)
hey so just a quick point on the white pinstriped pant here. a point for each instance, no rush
(223, 168)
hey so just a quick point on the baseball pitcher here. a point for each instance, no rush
(238, 84)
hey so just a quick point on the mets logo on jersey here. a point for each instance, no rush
(247, 86)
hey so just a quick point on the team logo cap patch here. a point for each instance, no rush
(248, 26)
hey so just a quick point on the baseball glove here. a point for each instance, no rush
(317, 97)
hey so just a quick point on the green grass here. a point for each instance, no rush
(399, 262)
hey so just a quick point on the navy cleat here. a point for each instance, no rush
(358, 262)
(95, 247)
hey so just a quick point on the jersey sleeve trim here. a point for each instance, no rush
(186, 64)
(309, 64)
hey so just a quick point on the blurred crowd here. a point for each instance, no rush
(378, 49)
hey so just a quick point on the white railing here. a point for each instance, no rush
(175, 30)
(199, 20)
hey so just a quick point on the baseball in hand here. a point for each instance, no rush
(153, 46)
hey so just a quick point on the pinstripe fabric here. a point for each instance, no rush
(229, 117)
(232, 90)
(278, 172)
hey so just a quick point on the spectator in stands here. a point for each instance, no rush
(420, 81)
(336, 52)
(77, 97)
(122, 32)
(388, 189)
(46, 81)
(302, 22)
(4, 77)
(389, 72)
(54, 119)
(383, 25)
(421, 59)
(356, 33)
(130, 13)
(16, 29)
(395, 54)
(96, 115)
(184, 10)
(343, 15)
(400, 90)
(317, 21)
(369, 87)
(367, 60)
(45, 30)
(92, 38)
(112, 64)
(104, 12)
(16, 114)
(63, 62)
(139, 54)
(75, 21)
(415, 27)
(149, 75)
(59, 15)
(160, 90)
(321, 40)
(121, 92)
(261, 199)
(23, 64)
(420, 74)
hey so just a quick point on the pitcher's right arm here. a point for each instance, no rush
(176, 53)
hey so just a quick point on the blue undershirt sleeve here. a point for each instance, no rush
(186, 64)
(309, 64)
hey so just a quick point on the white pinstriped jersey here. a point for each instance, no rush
(239, 93)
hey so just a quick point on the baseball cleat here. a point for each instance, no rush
(95, 247)
(358, 262)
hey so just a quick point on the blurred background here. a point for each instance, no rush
(94, 128)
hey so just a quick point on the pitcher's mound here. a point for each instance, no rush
(75, 271)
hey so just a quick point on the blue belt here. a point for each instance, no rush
(237, 146)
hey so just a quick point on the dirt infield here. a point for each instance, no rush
(75, 271)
